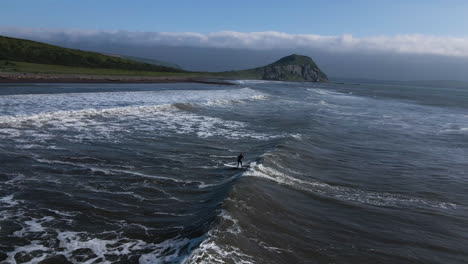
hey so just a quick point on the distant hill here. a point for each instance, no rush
(21, 50)
(149, 61)
(290, 68)
(26, 56)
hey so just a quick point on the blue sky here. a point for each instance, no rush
(360, 18)
(398, 39)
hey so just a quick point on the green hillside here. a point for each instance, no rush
(149, 61)
(28, 67)
(21, 50)
(19, 55)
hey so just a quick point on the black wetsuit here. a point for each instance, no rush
(239, 160)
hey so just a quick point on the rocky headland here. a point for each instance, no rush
(293, 68)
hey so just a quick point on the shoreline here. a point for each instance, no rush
(9, 77)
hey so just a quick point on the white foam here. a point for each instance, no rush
(110, 171)
(234, 227)
(10, 132)
(343, 193)
(398, 115)
(170, 214)
(461, 130)
(61, 213)
(15, 178)
(209, 251)
(95, 123)
(71, 241)
(45, 103)
(28, 146)
(33, 226)
(173, 250)
(8, 200)
(34, 246)
(203, 185)
(43, 117)
(180, 248)
(323, 91)
(246, 82)
(272, 249)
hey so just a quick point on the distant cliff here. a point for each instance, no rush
(293, 68)
(290, 68)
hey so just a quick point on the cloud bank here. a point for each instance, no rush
(399, 44)
(400, 57)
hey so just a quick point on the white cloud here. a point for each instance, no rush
(403, 44)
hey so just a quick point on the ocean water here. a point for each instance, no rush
(136, 173)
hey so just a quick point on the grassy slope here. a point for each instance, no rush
(13, 66)
(19, 55)
(251, 74)
(150, 61)
(20, 50)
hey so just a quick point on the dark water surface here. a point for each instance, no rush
(137, 173)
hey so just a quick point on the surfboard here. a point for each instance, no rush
(234, 166)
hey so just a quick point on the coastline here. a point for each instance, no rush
(15, 77)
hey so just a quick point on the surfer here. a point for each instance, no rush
(239, 160)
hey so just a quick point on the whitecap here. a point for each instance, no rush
(343, 193)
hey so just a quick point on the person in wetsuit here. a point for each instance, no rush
(239, 160)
